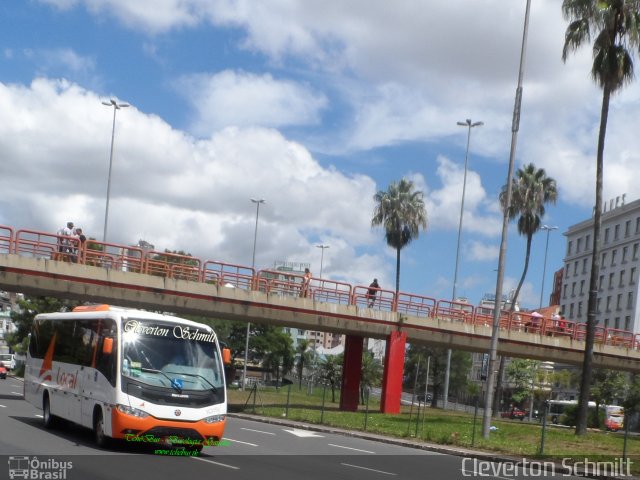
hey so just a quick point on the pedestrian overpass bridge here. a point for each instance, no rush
(38, 263)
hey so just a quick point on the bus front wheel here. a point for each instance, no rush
(554, 419)
(98, 429)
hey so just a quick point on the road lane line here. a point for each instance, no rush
(259, 431)
(39, 416)
(350, 448)
(370, 469)
(216, 463)
(3, 406)
(238, 441)
(17, 393)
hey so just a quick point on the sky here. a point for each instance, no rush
(313, 107)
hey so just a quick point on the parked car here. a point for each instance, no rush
(514, 413)
(424, 398)
(3, 371)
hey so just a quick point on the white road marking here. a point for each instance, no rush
(350, 448)
(3, 406)
(259, 431)
(216, 463)
(303, 433)
(238, 441)
(17, 393)
(39, 416)
(370, 469)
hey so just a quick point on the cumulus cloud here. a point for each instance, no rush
(231, 98)
(176, 192)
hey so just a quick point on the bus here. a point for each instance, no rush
(613, 420)
(129, 375)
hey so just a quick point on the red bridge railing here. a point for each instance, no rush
(36, 244)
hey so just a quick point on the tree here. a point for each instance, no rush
(331, 371)
(531, 191)
(615, 24)
(460, 366)
(401, 212)
(279, 357)
(304, 357)
(371, 373)
(607, 385)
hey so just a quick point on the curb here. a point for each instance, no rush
(459, 452)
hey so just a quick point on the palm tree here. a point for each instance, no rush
(615, 24)
(331, 372)
(531, 191)
(401, 212)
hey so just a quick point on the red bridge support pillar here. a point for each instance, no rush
(351, 370)
(393, 372)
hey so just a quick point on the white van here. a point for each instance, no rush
(9, 360)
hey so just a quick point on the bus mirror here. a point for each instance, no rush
(226, 356)
(107, 346)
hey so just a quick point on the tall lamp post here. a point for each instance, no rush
(495, 332)
(546, 249)
(469, 124)
(322, 256)
(116, 106)
(253, 264)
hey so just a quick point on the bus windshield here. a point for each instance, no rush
(171, 356)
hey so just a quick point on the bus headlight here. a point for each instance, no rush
(134, 412)
(214, 419)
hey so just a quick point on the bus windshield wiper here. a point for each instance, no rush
(171, 382)
(213, 387)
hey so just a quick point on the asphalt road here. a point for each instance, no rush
(251, 450)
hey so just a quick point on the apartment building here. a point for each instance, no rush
(617, 305)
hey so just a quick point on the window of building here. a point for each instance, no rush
(627, 228)
(635, 251)
(587, 242)
(625, 251)
(632, 276)
(600, 280)
(606, 323)
(616, 323)
(604, 259)
(569, 247)
(608, 308)
(619, 302)
(614, 253)
(571, 311)
(611, 280)
(638, 225)
(616, 232)
(621, 282)
(598, 305)
(606, 235)
(573, 289)
(575, 268)
(627, 322)
(579, 309)
(578, 245)
(629, 300)
(581, 287)
(584, 265)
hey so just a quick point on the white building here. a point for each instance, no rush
(617, 305)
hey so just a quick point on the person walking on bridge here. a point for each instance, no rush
(374, 287)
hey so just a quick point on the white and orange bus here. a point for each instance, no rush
(128, 374)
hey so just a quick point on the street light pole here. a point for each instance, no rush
(469, 124)
(544, 268)
(116, 106)
(493, 348)
(322, 256)
(253, 264)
